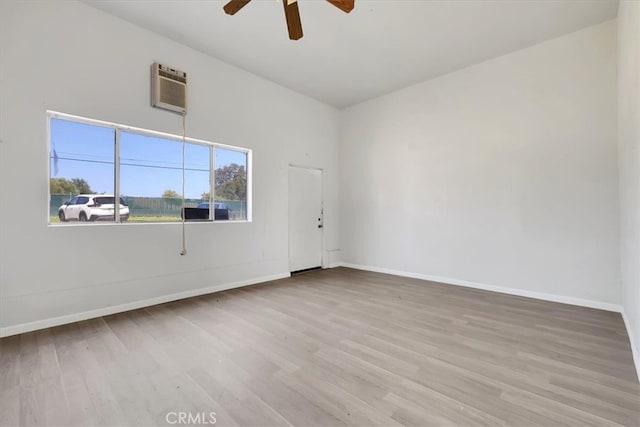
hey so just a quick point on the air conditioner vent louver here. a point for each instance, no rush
(168, 88)
(172, 93)
(179, 78)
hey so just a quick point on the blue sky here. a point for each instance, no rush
(148, 165)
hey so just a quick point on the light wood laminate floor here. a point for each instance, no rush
(328, 348)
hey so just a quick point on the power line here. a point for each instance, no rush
(132, 164)
(101, 157)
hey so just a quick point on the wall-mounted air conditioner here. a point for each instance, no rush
(168, 88)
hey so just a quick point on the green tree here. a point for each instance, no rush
(66, 186)
(171, 194)
(231, 182)
(82, 185)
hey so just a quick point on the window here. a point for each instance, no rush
(151, 176)
(102, 200)
(82, 161)
(91, 161)
(231, 182)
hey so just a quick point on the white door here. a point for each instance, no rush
(305, 218)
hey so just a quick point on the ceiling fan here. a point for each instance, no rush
(291, 12)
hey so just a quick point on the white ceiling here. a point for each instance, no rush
(383, 45)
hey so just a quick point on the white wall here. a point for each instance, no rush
(629, 155)
(502, 174)
(68, 57)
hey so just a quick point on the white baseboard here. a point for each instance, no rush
(632, 341)
(91, 314)
(511, 291)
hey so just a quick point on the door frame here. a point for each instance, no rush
(301, 166)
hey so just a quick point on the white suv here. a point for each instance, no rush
(92, 207)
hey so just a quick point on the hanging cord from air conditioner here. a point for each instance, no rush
(184, 213)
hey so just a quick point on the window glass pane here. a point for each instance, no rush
(82, 178)
(151, 176)
(81, 162)
(197, 173)
(230, 184)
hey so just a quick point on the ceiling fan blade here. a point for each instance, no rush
(292, 14)
(235, 5)
(344, 5)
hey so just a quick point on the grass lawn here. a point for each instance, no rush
(56, 220)
(154, 219)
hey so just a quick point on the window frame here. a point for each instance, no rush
(118, 128)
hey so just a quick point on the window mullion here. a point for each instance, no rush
(212, 183)
(249, 189)
(116, 184)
